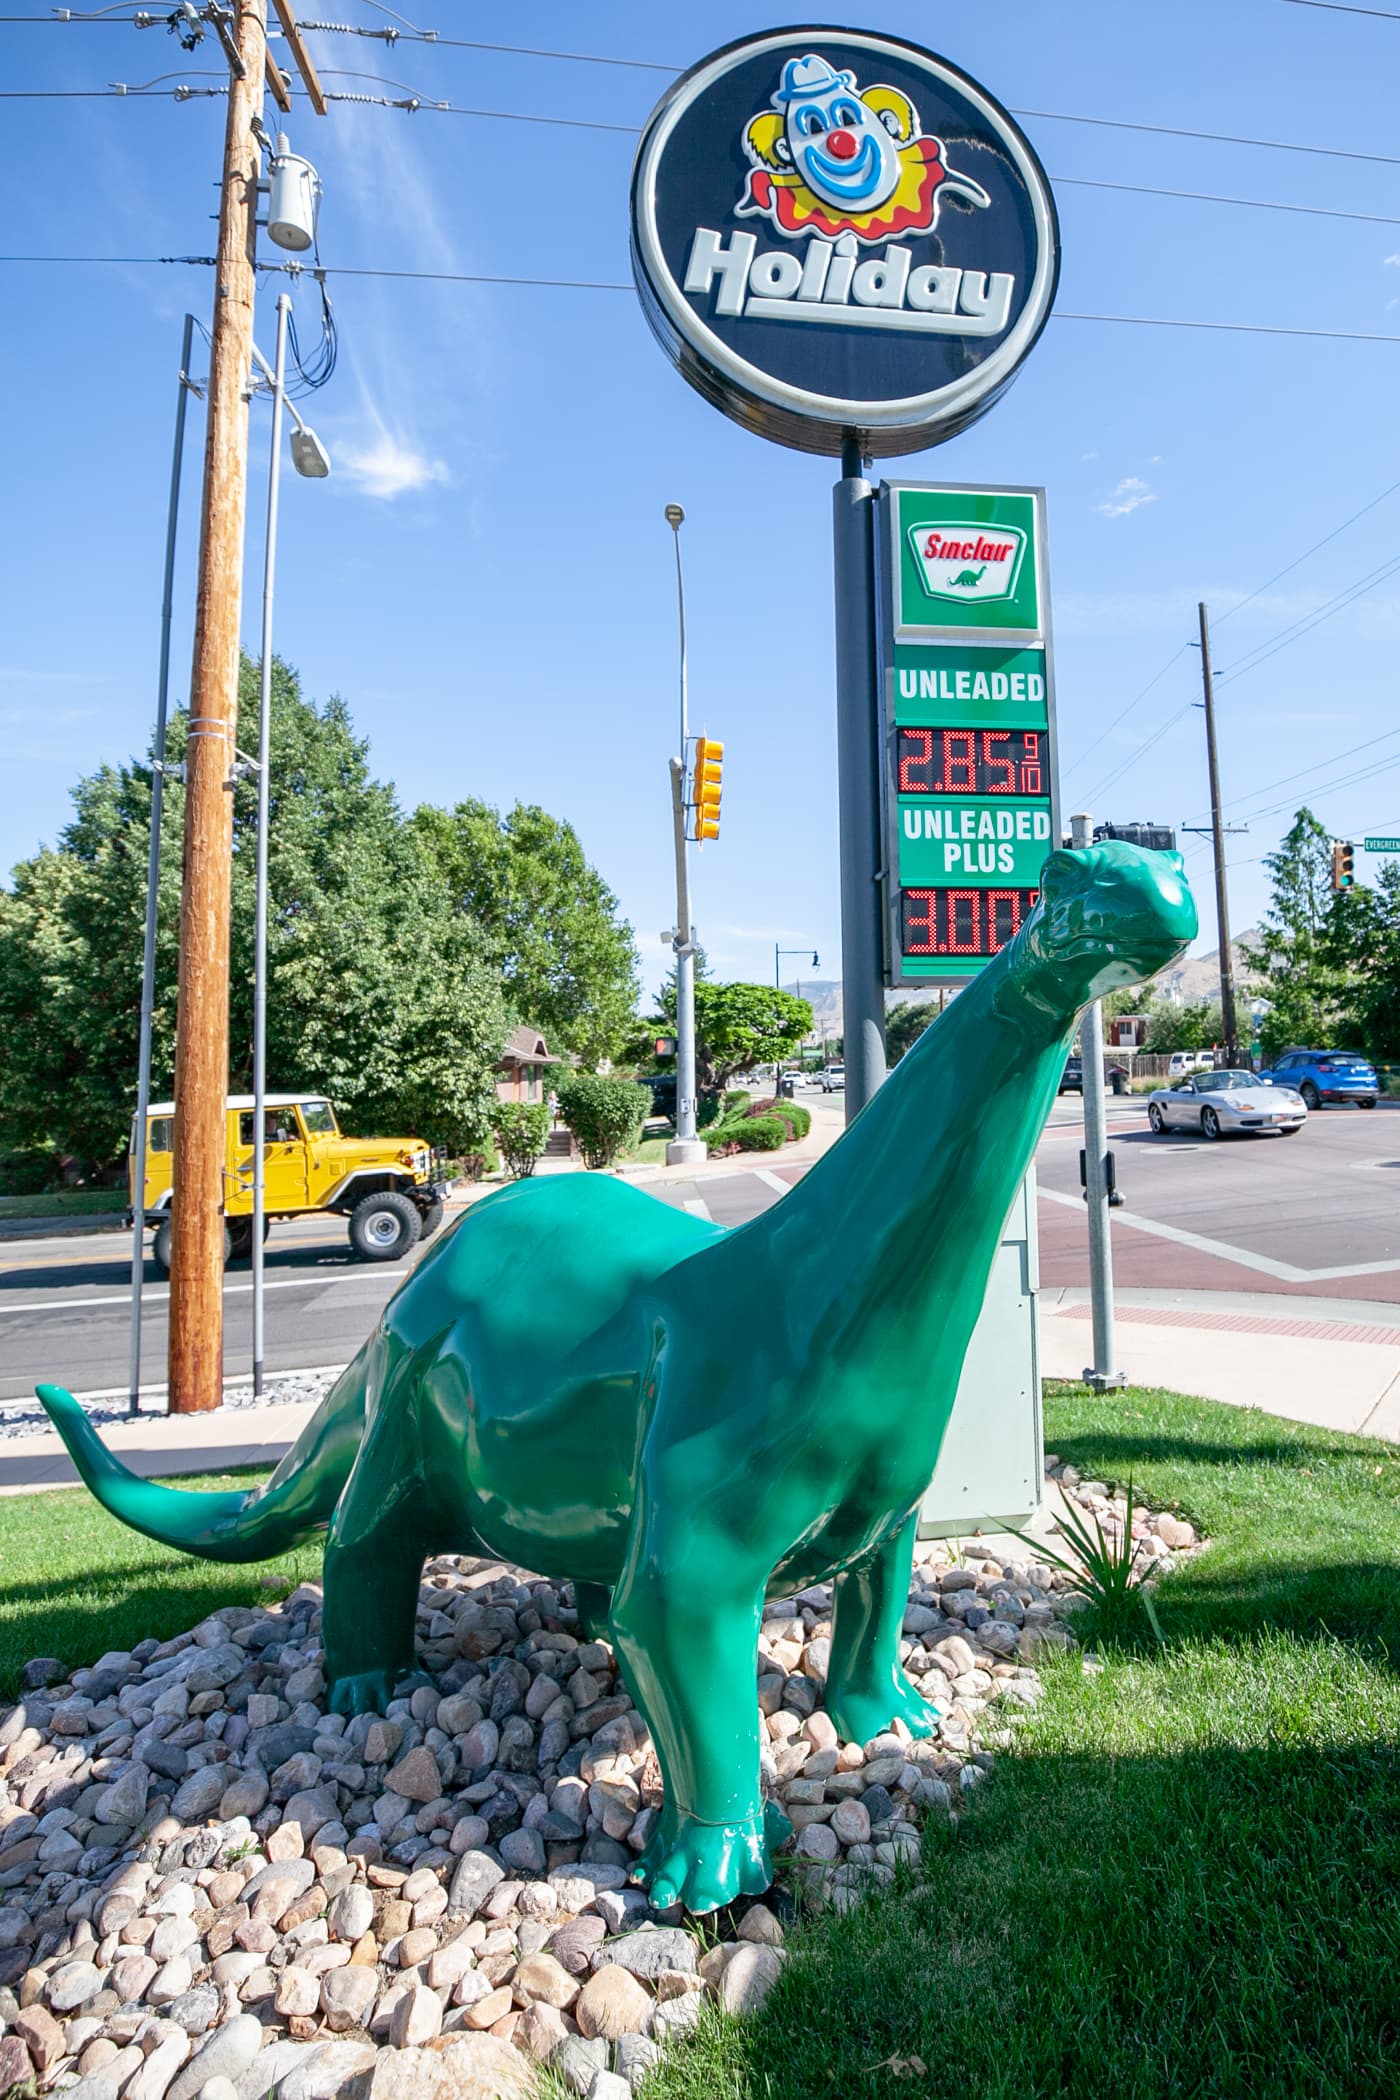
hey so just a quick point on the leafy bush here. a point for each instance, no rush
(27, 1173)
(797, 1118)
(521, 1129)
(605, 1115)
(736, 1097)
(710, 1109)
(749, 1133)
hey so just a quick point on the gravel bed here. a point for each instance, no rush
(211, 1889)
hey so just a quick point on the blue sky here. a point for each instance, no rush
(487, 578)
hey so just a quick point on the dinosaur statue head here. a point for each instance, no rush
(1109, 915)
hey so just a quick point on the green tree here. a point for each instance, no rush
(905, 1023)
(378, 991)
(549, 921)
(1298, 955)
(1196, 1025)
(605, 1114)
(738, 1025)
(1361, 945)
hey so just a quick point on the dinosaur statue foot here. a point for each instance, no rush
(706, 1865)
(859, 1714)
(365, 1692)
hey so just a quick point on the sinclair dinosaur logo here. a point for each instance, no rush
(846, 169)
(968, 564)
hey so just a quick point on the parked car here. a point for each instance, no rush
(1183, 1061)
(1326, 1075)
(833, 1080)
(1217, 1104)
(386, 1188)
(1072, 1077)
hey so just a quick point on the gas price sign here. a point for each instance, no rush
(971, 799)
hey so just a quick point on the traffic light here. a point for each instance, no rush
(705, 787)
(1343, 858)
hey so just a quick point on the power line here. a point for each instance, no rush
(1341, 7)
(1111, 779)
(1307, 554)
(1105, 734)
(1306, 622)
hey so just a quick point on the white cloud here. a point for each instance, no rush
(389, 466)
(1392, 262)
(1130, 495)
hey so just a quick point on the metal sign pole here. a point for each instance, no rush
(858, 774)
(1103, 1374)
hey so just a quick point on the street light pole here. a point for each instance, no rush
(685, 1149)
(148, 957)
(1103, 1374)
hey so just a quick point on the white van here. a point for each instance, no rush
(1183, 1062)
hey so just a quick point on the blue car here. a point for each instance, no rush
(1326, 1075)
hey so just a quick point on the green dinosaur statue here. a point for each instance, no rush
(684, 1419)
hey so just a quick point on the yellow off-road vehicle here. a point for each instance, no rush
(387, 1188)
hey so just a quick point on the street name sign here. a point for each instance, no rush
(1381, 845)
(970, 793)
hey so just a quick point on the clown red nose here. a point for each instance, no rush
(841, 145)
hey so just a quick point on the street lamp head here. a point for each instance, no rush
(309, 455)
(675, 516)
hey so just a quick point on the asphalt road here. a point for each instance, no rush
(1318, 1213)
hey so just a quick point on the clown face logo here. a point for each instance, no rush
(832, 161)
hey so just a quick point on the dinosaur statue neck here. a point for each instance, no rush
(891, 1236)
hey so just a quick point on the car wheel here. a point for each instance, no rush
(1367, 1103)
(429, 1220)
(240, 1237)
(384, 1226)
(1157, 1119)
(160, 1247)
(1210, 1124)
(1311, 1096)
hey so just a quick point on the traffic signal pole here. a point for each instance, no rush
(1217, 828)
(201, 1043)
(1103, 1373)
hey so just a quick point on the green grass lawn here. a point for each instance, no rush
(1185, 1881)
(64, 1203)
(74, 1582)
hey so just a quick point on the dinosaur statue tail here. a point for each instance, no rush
(293, 1505)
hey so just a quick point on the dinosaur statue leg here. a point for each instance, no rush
(865, 1688)
(593, 1602)
(685, 1620)
(378, 1539)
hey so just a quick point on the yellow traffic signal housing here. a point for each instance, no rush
(1343, 859)
(705, 786)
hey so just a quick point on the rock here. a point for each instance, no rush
(486, 2011)
(199, 1795)
(72, 1986)
(1173, 1531)
(416, 1946)
(125, 1800)
(460, 2067)
(647, 1952)
(286, 1842)
(17, 2066)
(612, 2002)
(382, 1741)
(677, 2015)
(451, 1962)
(298, 1991)
(348, 1995)
(574, 1943)
(749, 1975)
(172, 1981)
(477, 1874)
(479, 1745)
(818, 1841)
(196, 2010)
(154, 2079)
(541, 1978)
(523, 1851)
(578, 2061)
(417, 2018)
(228, 2050)
(608, 2086)
(351, 1913)
(416, 1776)
(851, 1822)
(245, 1797)
(636, 2055)
(327, 2070)
(541, 2031)
(219, 2089)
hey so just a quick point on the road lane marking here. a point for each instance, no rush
(159, 1297)
(699, 1208)
(1243, 1257)
(772, 1181)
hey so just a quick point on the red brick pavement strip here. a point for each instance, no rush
(1141, 1261)
(1239, 1323)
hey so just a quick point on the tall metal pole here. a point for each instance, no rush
(148, 956)
(274, 480)
(858, 762)
(1217, 830)
(1103, 1373)
(201, 1029)
(685, 1149)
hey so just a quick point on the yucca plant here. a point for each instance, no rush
(1107, 1573)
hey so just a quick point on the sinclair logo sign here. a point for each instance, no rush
(968, 563)
(833, 230)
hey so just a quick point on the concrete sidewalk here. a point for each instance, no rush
(1331, 1361)
(162, 1444)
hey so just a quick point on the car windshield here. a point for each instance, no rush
(318, 1119)
(1222, 1082)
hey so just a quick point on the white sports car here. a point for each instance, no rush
(1215, 1104)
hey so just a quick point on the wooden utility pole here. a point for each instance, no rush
(1217, 829)
(201, 1040)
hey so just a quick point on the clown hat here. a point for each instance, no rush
(804, 77)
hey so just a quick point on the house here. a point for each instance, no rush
(521, 1073)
